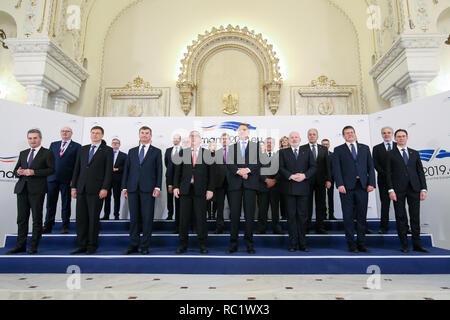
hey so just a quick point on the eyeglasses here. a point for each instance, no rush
(66, 131)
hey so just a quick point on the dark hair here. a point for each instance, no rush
(243, 124)
(401, 130)
(325, 140)
(346, 128)
(98, 128)
(35, 131)
(145, 128)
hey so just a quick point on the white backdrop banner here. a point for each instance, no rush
(425, 120)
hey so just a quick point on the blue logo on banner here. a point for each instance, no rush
(230, 125)
(427, 154)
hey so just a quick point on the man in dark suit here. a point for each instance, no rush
(330, 190)
(355, 177)
(90, 184)
(33, 167)
(319, 182)
(297, 167)
(116, 185)
(170, 170)
(65, 153)
(269, 193)
(406, 181)
(380, 152)
(243, 182)
(194, 185)
(141, 185)
(221, 184)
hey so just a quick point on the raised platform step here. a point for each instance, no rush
(117, 226)
(119, 242)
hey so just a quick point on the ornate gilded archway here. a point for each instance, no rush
(232, 38)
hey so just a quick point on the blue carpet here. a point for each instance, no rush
(328, 254)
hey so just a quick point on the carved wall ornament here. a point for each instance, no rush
(233, 37)
(138, 83)
(230, 103)
(135, 110)
(326, 108)
(323, 81)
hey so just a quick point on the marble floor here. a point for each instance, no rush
(223, 287)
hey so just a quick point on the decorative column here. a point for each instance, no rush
(52, 79)
(273, 95)
(407, 68)
(186, 95)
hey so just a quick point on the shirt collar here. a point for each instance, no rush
(400, 148)
(36, 150)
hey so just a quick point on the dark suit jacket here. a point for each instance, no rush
(323, 171)
(330, 156)
(379, 161)
(399, 175)
(346, 169)
(170, 166)
(236, 161)
(220, 168)
(96, 175)
(120, 164)
(289, 165)
(43, 165)
(203, 173)
(147, 176)
(64, 165)
(273, 163)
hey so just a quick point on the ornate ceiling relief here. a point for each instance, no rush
(229, 37)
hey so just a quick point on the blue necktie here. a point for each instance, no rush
(141, 154)
(244, 146)
(30, 160)
(389, 147)
(296, 153)
(353, 151)
(91, 153)
(405, 156)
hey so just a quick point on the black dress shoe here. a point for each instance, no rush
(169, 218)
(32, 251)
(204, 250)
(353, 249)
(16, 250)
(421, 249)
(251, 251)
(79, 250)
(292, 249)
(368, 231)
(104, 218)
(303, 248)
(332, 217)
(176, 232)
(409, 231)
(363, 249)
(145, 251)
(46, 230)
(382, 231)
(131, 250)
(404, 249)
(181, 250)
(91, 251)
(232, 250)
(116, 218)
(321, 231)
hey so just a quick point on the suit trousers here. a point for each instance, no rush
(413, 199)
(27, 202)
(317, 192)
(171, 207)
(54, 188)
(355, 202)
(196, 206)
(220, 203)
(235, 200)
(89, 207)
(385, 204)
(272, 198)
(330, 199)
(297, 219)
(142, 210)
(116, 188)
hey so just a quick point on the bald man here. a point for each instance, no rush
(65, 153)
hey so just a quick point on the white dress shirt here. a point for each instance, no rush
(350, 147)
(36, 150)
